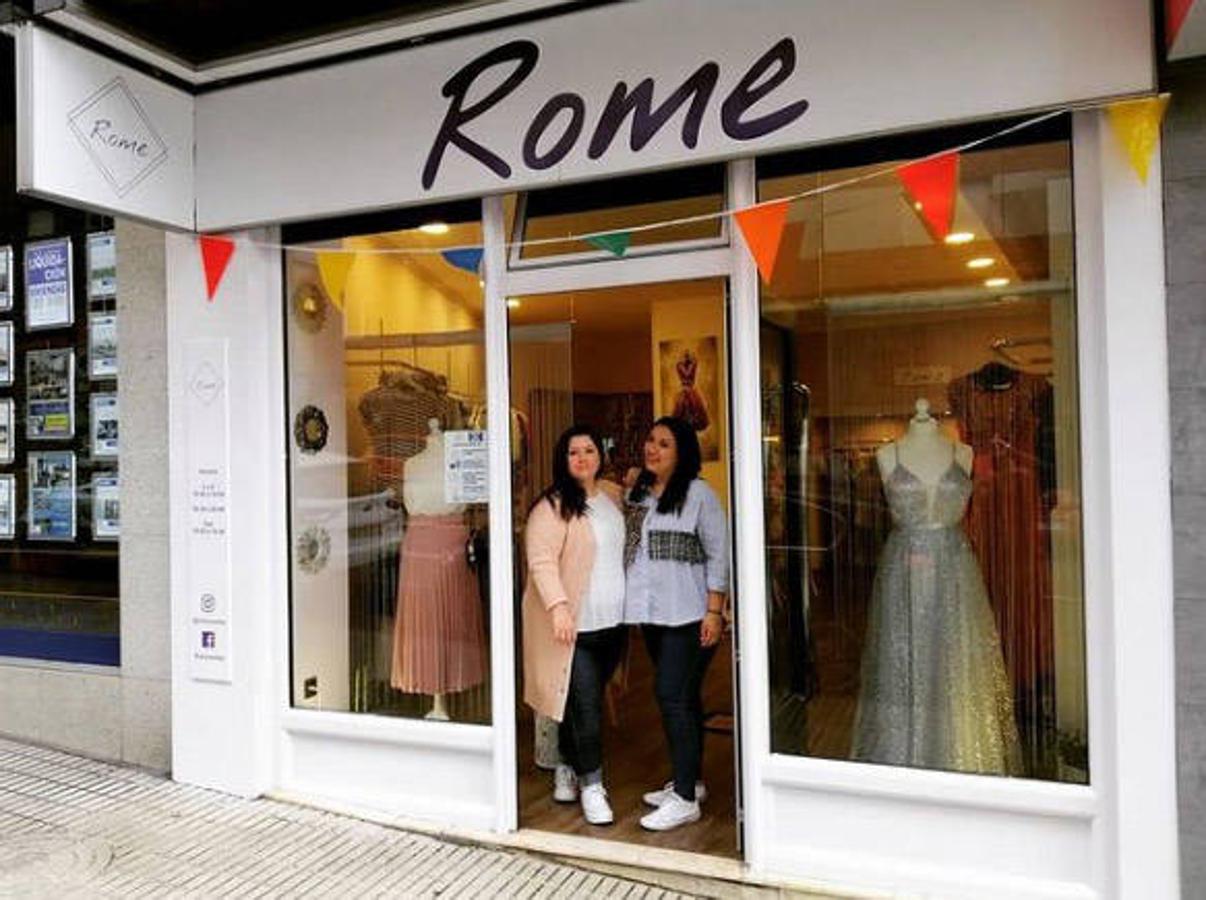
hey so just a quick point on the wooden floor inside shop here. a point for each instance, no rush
(636, 761)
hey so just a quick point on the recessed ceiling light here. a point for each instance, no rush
(917, 205)
(996, 282)
(980, 262)
(434, 228)
(960, 237)
(512, 303)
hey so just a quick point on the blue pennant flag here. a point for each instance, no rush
(469, 259)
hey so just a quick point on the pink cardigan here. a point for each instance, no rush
(561, 556)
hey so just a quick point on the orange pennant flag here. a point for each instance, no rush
(215, 257)
(930, 184)
(762, 228)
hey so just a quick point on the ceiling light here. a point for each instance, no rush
(512, 303)
(996, 282)
(980, 262)
(917, 205)
(960, 237)
(434, 228)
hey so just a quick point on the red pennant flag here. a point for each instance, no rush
(215, 257)
(762, 228)
(931, 185)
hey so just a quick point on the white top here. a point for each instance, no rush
(423, 481)
(603, 605)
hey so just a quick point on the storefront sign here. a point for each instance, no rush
(466, 467)
(208, 514)
(99, 134)
(614, 89)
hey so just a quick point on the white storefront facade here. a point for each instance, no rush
(545, 105)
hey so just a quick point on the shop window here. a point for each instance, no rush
(548, 219)
(59, 502)
(922, 464)
(387, 419)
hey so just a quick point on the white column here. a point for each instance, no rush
(1128, 525)
(223, 732)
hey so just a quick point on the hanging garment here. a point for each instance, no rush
(934, 691)
(1007, 417)
(439, 639)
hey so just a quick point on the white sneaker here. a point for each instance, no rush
(674, 812)
(565, 784)
(595, 808)
(657, 798)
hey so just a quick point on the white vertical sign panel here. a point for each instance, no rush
(208, 529)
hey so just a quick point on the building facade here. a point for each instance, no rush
(954, 677)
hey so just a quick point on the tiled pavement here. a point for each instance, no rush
(74, 827)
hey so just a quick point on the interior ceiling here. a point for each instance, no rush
(201, 32)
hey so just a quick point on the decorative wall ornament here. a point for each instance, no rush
(310, 429)
(310, 307)
(313, 549)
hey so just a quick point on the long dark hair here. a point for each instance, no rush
(686, 469)
(565, 489)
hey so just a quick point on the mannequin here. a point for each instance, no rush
(923, 449)
(439, 636)
(933, 689)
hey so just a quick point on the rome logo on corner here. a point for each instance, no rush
(118, 136)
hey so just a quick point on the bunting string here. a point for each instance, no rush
(608, 234)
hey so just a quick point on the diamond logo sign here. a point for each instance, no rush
(205, 383)
(118, 135)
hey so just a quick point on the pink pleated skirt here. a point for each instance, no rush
(439, 639)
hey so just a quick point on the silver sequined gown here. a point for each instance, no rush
(934, 690)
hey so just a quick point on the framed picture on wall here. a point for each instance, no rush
(50, 394)
(6, 431)
(8, 507)
(6, 354)
(48, 292)
(690, 388)
(102, 345)
(102, 265)
(52, 496)
(6, 279)
(104, 426)
(106, 508)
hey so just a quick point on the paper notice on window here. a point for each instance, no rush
(466, 467)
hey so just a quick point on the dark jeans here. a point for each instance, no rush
(580, 737)
(680, 664)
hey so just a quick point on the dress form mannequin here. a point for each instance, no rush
(923, 449)
(423, 494)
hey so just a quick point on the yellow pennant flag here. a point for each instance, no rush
(1136, 124)
(333, 269)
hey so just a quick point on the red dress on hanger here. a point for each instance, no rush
(1007, 418)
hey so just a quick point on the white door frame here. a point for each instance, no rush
(685, 265)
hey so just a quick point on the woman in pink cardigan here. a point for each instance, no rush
(573, 607)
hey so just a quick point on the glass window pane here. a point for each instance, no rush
(624, 203)
(922, 462)
(387, 390)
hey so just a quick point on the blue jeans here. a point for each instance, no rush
(580, 737)
(680, 663)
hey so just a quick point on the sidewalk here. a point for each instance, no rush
(74, 827)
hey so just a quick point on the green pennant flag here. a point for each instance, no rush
(615, 242)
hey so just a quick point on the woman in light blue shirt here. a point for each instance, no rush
(677, 575)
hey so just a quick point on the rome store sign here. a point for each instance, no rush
(559, 134)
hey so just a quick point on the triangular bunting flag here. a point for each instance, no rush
(1136, 124)
(467, 258)
(762, 228)
(614, 242)
(215, 256)
(931, 184)
(333, 269)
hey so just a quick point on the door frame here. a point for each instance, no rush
(749, 652)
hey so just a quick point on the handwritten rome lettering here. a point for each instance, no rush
(557, 126)
(105, 135)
